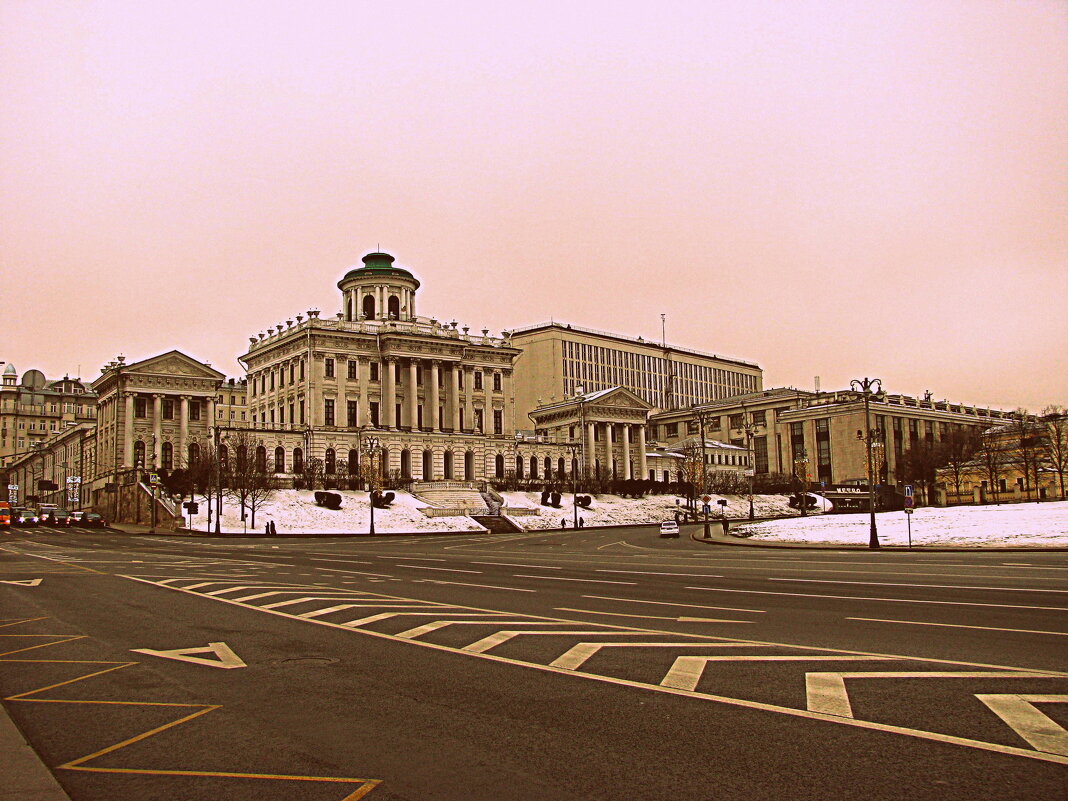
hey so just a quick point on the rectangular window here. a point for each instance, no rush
(354, 367)
(760, 453)
(292, 417)
(419, 416)
(374, 413)
(760, 418)
(231, 415)
(736, 420)
(194, 410)
(328, 412)
(374, 371)
(478, 381)
(496, 382)
(168, 409)
(281, 377)
(302, 370)
(353, 413)
(271, 376)
(329, 368)
(300, 407)
(671, 430)
(823, 450)
(272, 416)
(498, 421)
(292, 373)
(479, 422)
(460, 373)
(140, 407)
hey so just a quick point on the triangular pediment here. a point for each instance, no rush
(174, 363)
(620, 397)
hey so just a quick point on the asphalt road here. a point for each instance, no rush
(590, 664)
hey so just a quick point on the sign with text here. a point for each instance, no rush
(12, 493)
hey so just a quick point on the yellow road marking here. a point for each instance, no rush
(958, 626)
(365, 785)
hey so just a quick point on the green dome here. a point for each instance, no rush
(378, 264)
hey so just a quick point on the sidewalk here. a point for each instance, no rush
(25, 777)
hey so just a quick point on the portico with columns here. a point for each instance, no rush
(606, 428)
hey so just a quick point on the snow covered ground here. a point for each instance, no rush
(1008, 525)
(296, 511)
(612, 510)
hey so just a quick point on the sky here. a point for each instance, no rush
(833, 189)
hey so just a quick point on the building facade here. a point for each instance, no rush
(560, 361)
(35, 408)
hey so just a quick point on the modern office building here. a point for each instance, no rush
(559, 361)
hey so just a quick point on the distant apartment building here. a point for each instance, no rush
(35, 408)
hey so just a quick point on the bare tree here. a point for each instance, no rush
(313, 473)
(1055, 422)
(240, 477)
(919, 465)
(261, 487)
(991, 460)
(957, 455)
(1024, 449)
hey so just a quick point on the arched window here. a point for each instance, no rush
(369, 306)
(469, 466)
(498, 466)
(168, 456)
(139, 454)
(350, 309)
(194, 453)
(240, 457)
(261, 459)
(298, 460)
(448, 465)
(560, 468)
(354, 462)
(518, 466)
(548, 467)
(428, 465)
(394, 307)
(279, 459)
(533, 466)
(330, 466)
(406, 463)
(383, 465)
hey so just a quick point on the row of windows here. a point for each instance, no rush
(167, 408)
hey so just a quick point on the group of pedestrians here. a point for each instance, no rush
(270, 530)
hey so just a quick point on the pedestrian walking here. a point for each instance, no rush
(563, 522)
(274, 530)
(582, 523)
(267, 529)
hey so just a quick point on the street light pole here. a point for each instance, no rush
(370, 449)
(747, 427)
(572, 448)
(868, 387)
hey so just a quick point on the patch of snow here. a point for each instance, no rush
(296, 511)
(1007, 525)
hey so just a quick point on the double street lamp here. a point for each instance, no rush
(371, 448)
(573, 449)
(869, 436)
(748, 428)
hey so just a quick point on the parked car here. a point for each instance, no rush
(24, 517)
(55, 517)
(93, 520)
(5, 514)
(77, 518)
(669, 528)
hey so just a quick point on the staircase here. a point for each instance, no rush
(460, 498)
(495, 524)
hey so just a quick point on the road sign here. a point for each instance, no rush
(706, 509)
(908, 490)
(153, 478)
(12, 493)
(909, 511)
(192, 507)
(705, 499)
(910, 503)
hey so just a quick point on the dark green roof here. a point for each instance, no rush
(378, 264)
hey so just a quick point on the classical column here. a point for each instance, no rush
(469, 405)
(183, 431)
(610, 446)
(128, 432)
(509, 402)
(431, 395)
(157, 428)
(413, 394)
(591, 448)
(342, 373)
(454, 396)
(212, 422)
(363, 371)
(642, 463)
(387, 414)
(628, 473)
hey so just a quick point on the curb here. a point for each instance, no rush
(26, 777)
(741, 542)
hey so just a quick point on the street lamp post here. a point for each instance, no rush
(801, 474)
(747, 427)
(868, 387)
(370, 450)
(573, 448)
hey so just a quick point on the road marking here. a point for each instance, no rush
(652, 617)
(887, 600)
(325, 611)
(827, 694)
(959, 626)
(686, 672)
(24, 582)
(576, 656)
(225, 657)
(440, 624)
(409, 556)
(1037, 728)
(928, 586)
(363, 621)
(516, 564)
(444, 569)
(669, 603)
(342, 561)
(654, 573)
(588, 581)
(486, 586)
(493, 640)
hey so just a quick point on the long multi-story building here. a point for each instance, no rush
(35, 408)
(560, 361)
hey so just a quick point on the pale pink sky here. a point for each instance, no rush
(837, 189)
